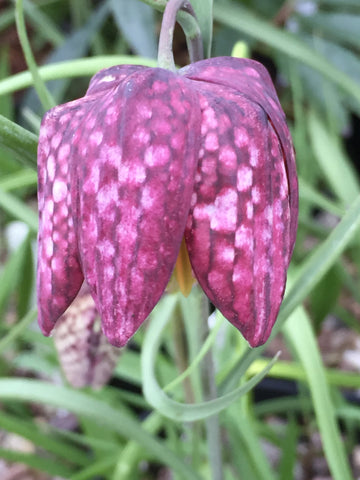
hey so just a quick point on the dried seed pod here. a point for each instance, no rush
(86, 357)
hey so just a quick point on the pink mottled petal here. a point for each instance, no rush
(238, 228)
(251, 79)
(59, 275)
(135, 166)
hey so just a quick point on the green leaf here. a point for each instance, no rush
(240, 19)
(9, 275)
(97, 411)
(70, 69)
(43, 437)
(21, 142)
(336, 167)
(43, 23)
(47, 465)
(289, 451)
(20, 179)
(157, 397)
(298, 332)
(44, 95)
(325, 295)
(204, 14)
(75, 46)
(343, 27)
(137, 23)
(244, 430)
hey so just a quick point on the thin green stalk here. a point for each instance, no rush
(206, 345)
(82, 67)
(181, 358)
(21, 142)
(212, 425)
(44, 95)
(96, 410)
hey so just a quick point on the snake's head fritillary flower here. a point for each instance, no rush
(148, 157)
(85, 355)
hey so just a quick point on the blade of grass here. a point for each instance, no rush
(44, 95)
(240, 19)
(10, 273)
(335, 166)
(299, 334)
(81, 67)
(18, 210)
(21, 179)
(96, 410)
(21, 142)
(156, 396)
(48, 465)
(43, 439)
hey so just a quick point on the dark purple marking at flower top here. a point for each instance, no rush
(148, 156)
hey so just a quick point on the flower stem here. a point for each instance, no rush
(193, 37)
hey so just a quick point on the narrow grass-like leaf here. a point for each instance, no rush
(343, 27)
(157, 397)
(137, 23)
(82, 67)
(97, 411)
(75, 46)
(18, 210)
(47, 465)
(7, 18)
(9, 275)
(21, 179)
(240, 19)
(289, 451)
(298, 332)
(132, 452)
(250, 441)
(281, 405)
(21, 142)
(43, 439)
(44, 95)
(295, 371)
(336, 167)
(309, 193)
(43, 24)
(96, 469)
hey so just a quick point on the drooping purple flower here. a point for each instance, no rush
(149, 156)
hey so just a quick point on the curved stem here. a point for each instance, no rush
(209, 390)
(193, 38)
